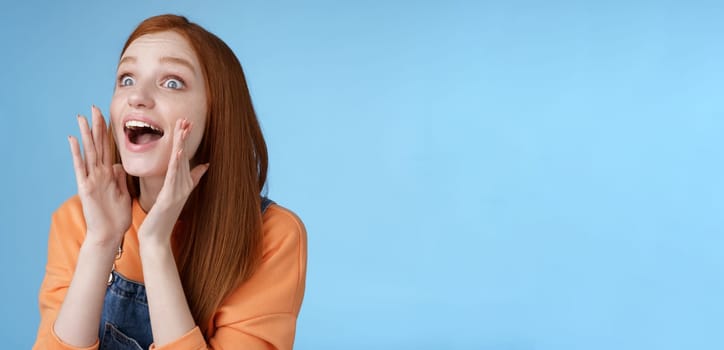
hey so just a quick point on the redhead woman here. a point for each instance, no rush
(169, 243)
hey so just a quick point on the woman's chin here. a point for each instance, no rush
(143, 170)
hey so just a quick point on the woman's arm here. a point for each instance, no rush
(80, 314)
(168, 309)
(74, 281)
(259, 314)
(106, 215)
(167, 306)
(65, 252)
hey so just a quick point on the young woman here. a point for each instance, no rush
(169, 243)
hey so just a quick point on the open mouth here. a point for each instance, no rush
(141, 133)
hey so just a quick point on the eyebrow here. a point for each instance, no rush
(129, 59)
(165, 59)
(178, 60)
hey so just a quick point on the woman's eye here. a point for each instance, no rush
(173, 83)
(126, 80)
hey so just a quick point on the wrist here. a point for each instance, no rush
(156, 231)
(153, 241)
(153, 249)
(102, 253)
(101, 244)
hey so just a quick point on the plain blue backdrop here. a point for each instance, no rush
(472, 175)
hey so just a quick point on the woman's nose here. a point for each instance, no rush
(140, 97)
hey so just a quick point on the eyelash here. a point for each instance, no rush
(122, 77)
(181, 82)
(173, 77)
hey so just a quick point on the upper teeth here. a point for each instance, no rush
(140, 124)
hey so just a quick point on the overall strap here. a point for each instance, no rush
(265, 203)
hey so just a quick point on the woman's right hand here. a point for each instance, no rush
(101, 185)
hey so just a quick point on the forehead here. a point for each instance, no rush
(162, 44)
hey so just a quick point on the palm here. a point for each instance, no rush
(101, 186)
(179, 182)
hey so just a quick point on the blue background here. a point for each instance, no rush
(473, 175)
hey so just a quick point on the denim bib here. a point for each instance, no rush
(125, 323)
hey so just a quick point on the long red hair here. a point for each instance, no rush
(218, 244)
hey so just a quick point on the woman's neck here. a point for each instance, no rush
(149, 189)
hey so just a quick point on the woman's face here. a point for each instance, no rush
(159, 81)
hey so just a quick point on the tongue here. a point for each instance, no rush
(146, 138)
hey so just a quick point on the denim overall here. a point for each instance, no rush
(125, 323)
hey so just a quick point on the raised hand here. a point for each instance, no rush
(101, 185)
(179, 182)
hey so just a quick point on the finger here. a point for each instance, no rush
(198, 172)
(120, 176)
(176, 152)
(184, 157)
(108, 139)
(187, 129)
(90, 152)
(97, 133)
(78, 165)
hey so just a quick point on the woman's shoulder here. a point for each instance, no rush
(68, 223)
(71, 209)
(282, 225)
(71, 203)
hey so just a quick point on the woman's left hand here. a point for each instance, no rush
(179, 182)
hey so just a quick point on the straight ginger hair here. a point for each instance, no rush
(218, 239)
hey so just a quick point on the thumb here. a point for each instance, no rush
(120, 175)
(197, 172)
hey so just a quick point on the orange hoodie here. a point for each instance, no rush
(260, 314)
